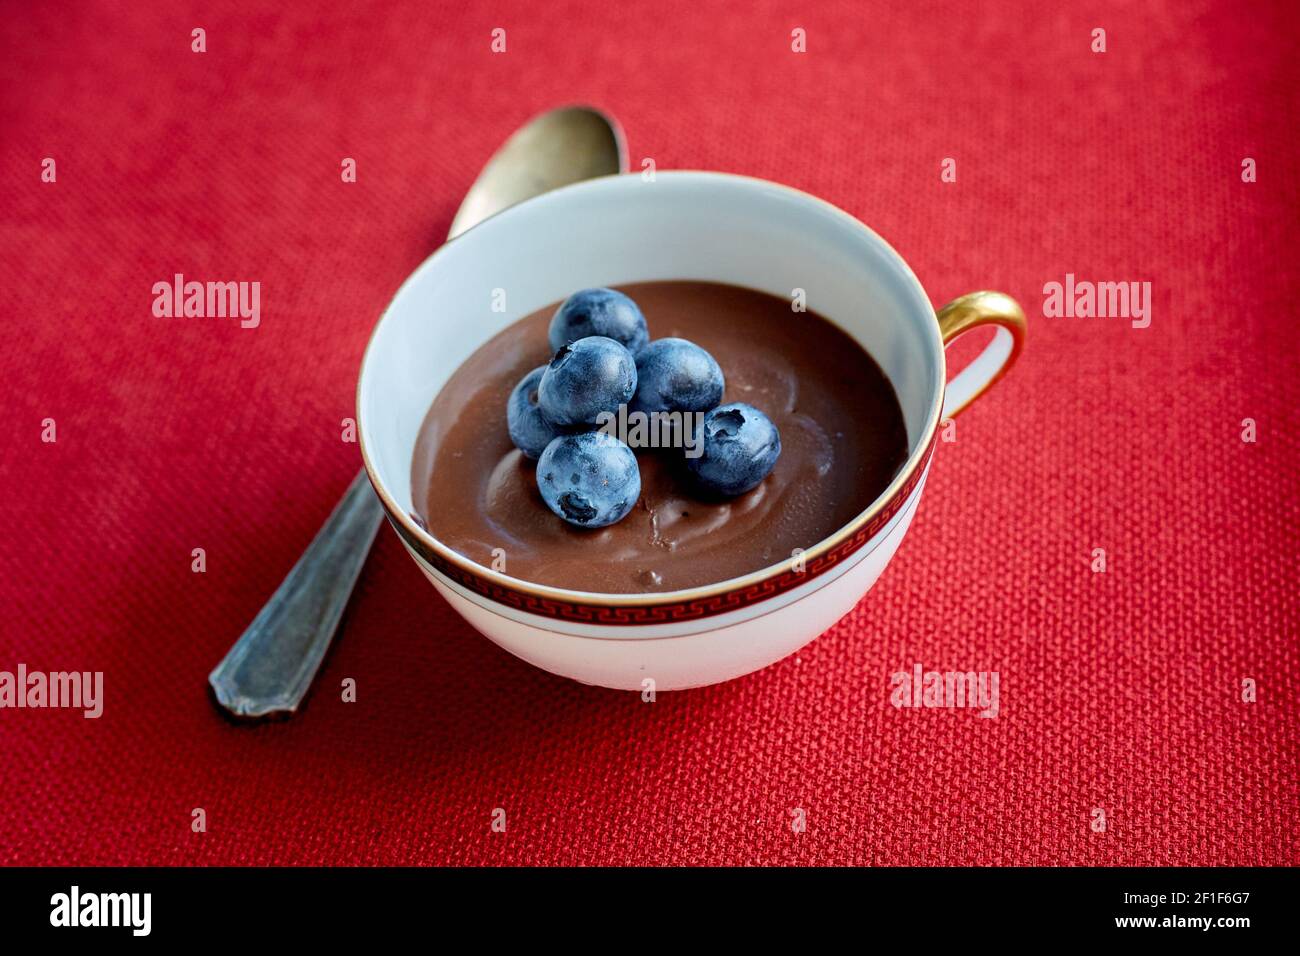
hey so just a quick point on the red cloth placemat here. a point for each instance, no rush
(1119, 691)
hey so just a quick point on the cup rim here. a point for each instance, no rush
(872, 518)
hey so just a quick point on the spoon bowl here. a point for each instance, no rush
(559, 147)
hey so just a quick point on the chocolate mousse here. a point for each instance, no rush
(842, 434)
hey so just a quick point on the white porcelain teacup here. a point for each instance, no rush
(686, 226)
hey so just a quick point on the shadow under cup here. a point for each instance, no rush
(614, 231)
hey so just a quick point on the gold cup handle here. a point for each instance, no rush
(969, 312)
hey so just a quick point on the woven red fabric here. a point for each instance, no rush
(1120, 691)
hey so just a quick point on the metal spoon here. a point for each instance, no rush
(270, 668)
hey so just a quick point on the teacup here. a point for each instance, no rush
(686, 226)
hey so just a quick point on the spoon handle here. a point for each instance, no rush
(269, 669)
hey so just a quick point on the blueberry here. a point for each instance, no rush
(599, 312)
(590, 479)
(591, 376)
(529, 429)
(674, 375)
(740, 446)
